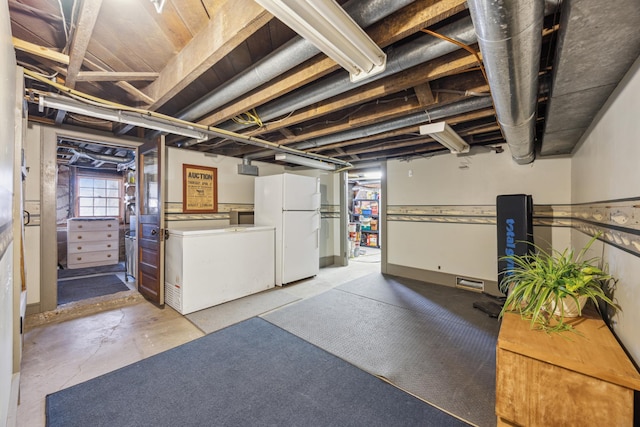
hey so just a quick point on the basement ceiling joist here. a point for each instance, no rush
(127, 53)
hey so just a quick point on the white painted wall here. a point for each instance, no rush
(32, 155)
(466, 249)
(232, 187)
(7, 123)
(605, 167)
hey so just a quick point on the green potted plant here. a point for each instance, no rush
(546, 287)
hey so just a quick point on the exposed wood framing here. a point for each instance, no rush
(225, 31)
(411, 19)
(113, 76)
(40, 51)
(87, 17)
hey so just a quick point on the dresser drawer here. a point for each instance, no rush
(90, 259)
(92, 225)
(92, 236)
(89, 246)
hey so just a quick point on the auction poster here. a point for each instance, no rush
(199, 189)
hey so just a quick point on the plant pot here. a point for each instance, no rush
(567, 306)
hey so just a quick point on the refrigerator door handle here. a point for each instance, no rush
(315, 200)
(318, 238)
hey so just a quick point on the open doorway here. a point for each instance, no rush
(364, 202)
(95, 220)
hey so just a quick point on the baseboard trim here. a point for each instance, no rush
(329, 260)
(33, 308)
(437, 277)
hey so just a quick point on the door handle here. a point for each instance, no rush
(28, 220)
(154, 232)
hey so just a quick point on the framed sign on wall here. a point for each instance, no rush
(199, 189)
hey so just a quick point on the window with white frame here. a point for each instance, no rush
(98, 196)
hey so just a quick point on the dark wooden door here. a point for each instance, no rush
(150, 233)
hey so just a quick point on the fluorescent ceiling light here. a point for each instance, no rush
(303, 161)
(120, 116)
(325, 24)
(445, 135)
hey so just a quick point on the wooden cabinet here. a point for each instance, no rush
(568, 379)
(92, 242)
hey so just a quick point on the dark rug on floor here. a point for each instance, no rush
(88, 287)
(249, 374)
(426, 339)
(76, 272)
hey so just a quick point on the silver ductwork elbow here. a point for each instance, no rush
(510, 38)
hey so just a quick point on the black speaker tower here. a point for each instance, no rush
(514, 223)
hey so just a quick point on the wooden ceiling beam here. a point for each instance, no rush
(225, 31)
(114, 76)
(409, 20)
(127, 87)
(87, 17)
(40, 51)
(447, 65)
(475, 115)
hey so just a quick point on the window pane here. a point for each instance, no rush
(86, 192)
(99, 183)
(86, 182)
(99, 196)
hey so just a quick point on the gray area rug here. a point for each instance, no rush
(220, 316)
(76, 272)
(426, 339)
(250, 374)
(71, 290)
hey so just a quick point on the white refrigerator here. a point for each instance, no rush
(291, 204)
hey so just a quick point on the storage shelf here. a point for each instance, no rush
(369, 231)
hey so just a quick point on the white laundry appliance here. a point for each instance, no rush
(291, 204)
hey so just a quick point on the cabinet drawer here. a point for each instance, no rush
(89, 246)
(92, 236)
(82, 259)
(93, 225)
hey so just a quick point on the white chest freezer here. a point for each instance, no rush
(208, 267)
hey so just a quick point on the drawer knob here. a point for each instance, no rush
(79, 258)
(109, 225)
(80, 226)
(109, 256)
(79, 247)
(108, 235)
(109, 245)
(79, 237)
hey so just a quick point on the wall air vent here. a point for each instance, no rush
(470, 284)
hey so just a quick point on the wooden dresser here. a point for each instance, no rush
(568, 379)
(92, 242)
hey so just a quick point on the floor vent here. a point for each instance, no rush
(470, 284)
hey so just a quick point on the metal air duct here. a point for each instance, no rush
(293, 53)
(471, 104)
(423, 49)
(510, 39)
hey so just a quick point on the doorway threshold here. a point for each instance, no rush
(85, 307)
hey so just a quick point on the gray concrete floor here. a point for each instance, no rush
(80, 342)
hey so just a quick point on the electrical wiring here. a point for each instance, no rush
(152, 115)
(461, 45)
(248, 118)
